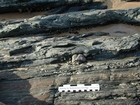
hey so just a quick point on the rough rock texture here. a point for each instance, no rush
(78, 58)
(40, 5)
(33, 64)
(32, 68)
(41, 24)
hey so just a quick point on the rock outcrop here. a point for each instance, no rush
(32, 68)
(33, 64)
(41, 24)
(40, 5)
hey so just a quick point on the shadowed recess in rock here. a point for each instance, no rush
(24, 50)
(43, 5)
(16, 91)
(14, 64)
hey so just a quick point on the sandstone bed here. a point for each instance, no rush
(38, 55)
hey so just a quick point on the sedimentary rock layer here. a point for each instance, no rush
(33, 65)
(32, 69)
(40, 5)
(41, 24)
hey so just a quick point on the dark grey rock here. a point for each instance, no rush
(29, 77)
(37, 5)
(32, 67)
(43, 24)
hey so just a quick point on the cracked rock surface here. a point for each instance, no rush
(34, 63)
(32, 68)
(40, 5)
(56, 22)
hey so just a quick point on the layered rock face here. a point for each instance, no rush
(40, 5)
(41, 24)
(33, 64)
(32, 68)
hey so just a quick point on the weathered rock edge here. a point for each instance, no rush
(27, 77)
(41, 24)
(24, 52)
(37, 5)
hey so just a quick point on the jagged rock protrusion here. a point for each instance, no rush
(78, 58)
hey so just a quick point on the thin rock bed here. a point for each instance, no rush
(45, 24)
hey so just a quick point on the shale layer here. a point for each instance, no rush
(35, 59)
